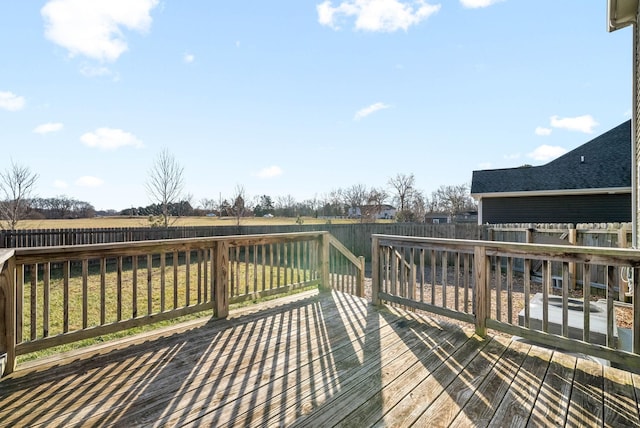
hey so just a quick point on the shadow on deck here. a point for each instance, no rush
(318, 359)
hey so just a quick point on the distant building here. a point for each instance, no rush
(590, 184)
(377, 212)
(466, 217)
(445, 218)
(437, 218)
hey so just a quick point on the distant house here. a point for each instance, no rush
(590, 184)
(437, 218)
(466, 217)
(444, 218)
(373, 211)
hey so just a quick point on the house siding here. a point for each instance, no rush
(600, 208)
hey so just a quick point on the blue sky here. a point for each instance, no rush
(300, 97)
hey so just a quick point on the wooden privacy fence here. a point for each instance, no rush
(616, 235)
(475, 282)
(356, 237)
(51, 296)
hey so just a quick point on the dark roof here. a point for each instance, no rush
(607, 164)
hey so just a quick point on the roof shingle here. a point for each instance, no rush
(607, 164)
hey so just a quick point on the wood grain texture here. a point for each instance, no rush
(586, 405)
(317, 359)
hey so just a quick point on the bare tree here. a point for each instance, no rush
(16, 183)
(336, 198)
(314, 205)
(239, 205)
(325, 205)
(376, 198)
(453, 200)
(208, 205)
(403, 188)
(286, 206)
(165, 183)
(61, 206)
(419, 205)
(355, 197)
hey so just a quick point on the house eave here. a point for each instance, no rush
(621, 13)
(555, 192)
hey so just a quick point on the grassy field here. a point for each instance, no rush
(100, 222)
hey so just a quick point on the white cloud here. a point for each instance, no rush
(512, 156)
(584, 123)
(270, 172)
(484, 165)
(362, 113)
(10, 101)
(89, 181)
(60, 184)
(476, 4)
(110, 139)
(376, 15)
(46, 128)
(545, 153)
(94, 29)
(188, 58)
(542, 131)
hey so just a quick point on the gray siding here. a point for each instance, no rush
(602, 208)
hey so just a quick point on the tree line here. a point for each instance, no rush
(165, 189)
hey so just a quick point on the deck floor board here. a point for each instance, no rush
(444, 409)
(555, 392)
(317, 359)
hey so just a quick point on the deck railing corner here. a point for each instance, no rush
(568, 297)
(7, 312)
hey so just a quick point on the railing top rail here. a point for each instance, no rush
(601, 255)
(344, 250)
(59, 253)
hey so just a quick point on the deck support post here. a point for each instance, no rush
(622, 285)
(573, 240)
(481, 291)
(7, 317)
(360, 277)
(325, 252)
(375, 270)
(636, 310)
(221, 282)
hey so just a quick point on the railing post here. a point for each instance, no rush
(622, 285)
(573, 240)
(375, 271)
(636, 310)
(325, 251)
(221, 284)
(481, 294)
(360, 278)
(7, 316)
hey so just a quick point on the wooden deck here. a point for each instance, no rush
(318, 360)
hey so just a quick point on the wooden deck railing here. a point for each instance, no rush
(51, 296)
(477, 282)
(346, 271)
